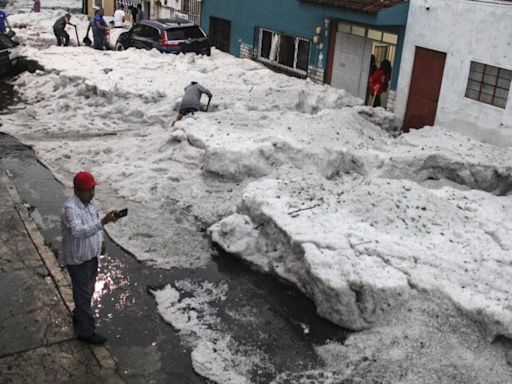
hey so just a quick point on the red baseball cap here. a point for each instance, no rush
(84, 180)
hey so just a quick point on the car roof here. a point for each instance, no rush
(168, 23)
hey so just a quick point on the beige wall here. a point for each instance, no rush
(108, 6)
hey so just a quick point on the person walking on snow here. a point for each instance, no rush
(191, 101)
(60, 31)
(37, 6)
(82, 244)
(100, 30)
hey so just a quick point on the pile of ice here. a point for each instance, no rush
(357, 245)
(293, 177)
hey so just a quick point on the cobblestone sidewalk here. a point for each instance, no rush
(37, 344)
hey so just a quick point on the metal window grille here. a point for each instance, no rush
(127, 3)
(283, 52)
(488, 84)
(97, 3)
(192, 8)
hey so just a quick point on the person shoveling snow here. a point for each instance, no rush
(60, 31)
(191, 101)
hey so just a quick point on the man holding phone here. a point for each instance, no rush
(82, 244)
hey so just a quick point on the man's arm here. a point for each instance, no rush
(83, 231)
(204, 90)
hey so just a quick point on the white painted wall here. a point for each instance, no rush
(467, 31)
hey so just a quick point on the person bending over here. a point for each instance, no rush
(191, 101)
(59, 28)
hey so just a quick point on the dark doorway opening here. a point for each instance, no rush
(220, 33)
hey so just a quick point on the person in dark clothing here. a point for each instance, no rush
(191, 101)
(60, 31)
(373, 65)
(140, 13)
(133, 11)
(386, 68)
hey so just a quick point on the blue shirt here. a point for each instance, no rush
(82, 232)
(100, 20)
(3, 18)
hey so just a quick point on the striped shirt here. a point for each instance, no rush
(82, 232)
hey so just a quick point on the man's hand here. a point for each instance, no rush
(110, 217)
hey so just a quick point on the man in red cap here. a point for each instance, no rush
(82, 244)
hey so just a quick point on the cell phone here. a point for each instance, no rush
(122, 213)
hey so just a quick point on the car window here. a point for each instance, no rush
(5, 42)
(185, 33)
(149, 32)
(137, 30)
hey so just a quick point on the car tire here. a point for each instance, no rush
(120, 46)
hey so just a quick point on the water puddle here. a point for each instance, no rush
(284, 327)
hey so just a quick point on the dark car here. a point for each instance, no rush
(165, 35)
(8, 54)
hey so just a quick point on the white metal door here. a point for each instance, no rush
(351, 63)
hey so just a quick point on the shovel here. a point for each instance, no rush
(76, 33)
(376, 89)
(207, 105)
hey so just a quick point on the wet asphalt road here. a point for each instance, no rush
(147, 349)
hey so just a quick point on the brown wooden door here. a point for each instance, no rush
(427, 76)
(220, 32)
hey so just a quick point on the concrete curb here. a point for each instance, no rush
(102, 355)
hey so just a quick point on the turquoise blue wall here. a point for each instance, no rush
(298, 19)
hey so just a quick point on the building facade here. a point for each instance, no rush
(185, 9)
(329, 41)
(457, 67)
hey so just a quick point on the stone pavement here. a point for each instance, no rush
(37, 344)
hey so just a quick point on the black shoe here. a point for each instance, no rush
(95, 338)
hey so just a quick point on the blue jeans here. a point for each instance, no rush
(99, 40)
(83, 279)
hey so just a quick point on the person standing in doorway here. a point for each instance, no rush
(191, 101)
(386, 68)
(59, 29)
(373, 68)
(82, 244)
(379, 82)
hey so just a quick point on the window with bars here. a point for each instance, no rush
(287, 52)
(488, 84)
(97, 4)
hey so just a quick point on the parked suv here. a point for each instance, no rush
(166, 35)
(8, 54)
